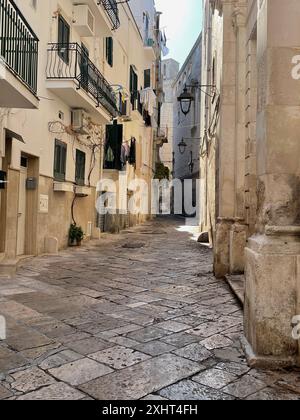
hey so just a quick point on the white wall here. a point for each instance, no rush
(188, 127)
(139, 8)
(170, 69)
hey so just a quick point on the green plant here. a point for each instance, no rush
(162, 172)
(75, 233)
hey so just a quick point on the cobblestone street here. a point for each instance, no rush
(134, 316)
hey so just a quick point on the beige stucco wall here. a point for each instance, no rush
(33, 125)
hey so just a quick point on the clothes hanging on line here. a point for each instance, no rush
(148, 99)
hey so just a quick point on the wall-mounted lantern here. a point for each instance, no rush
(182, 147)
(187, 97)
(185, 100)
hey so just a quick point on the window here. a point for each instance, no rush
(147, 78)
(113, 147)
(122, 105)
(84, 67)
(60, 159)
(24, 162)
(110, 51)
(140, 105)
(63, 39)
(80, 168)
(133, 88)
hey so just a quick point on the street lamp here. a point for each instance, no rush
(185, 100)
(182, 147)
(191, 164)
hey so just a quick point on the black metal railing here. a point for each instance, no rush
(70, 62)
(112, 10)
(18, 44)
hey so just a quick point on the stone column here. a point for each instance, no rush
(231, 230)
(273, 253)
(238, 231)
(225, 195)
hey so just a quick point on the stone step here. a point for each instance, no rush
(237, 285)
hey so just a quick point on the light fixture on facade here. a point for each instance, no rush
(191, 164)
(185, 99)
(173, 164)
(182, 147)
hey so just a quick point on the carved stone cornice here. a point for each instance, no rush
(239, 14)
(217, 5)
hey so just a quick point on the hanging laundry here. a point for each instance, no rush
(113, 146)
(148, 99)
(127, 150)
(110, 157)
(164, 49)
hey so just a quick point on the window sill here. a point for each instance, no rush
(82, 191)
(61, 186)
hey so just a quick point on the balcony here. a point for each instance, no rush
(111, 8)
(150, 46)
(18, 59)
(106, 14)
(73, 77)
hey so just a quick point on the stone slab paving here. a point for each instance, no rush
(119, 357)
(134, 316)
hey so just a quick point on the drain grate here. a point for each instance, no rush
(133, 245)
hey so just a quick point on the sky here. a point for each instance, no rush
(182, 21)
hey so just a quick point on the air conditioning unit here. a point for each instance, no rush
(80, 123)
(84, 20)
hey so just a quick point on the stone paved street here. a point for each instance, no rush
(134, 316)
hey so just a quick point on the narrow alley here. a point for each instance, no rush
(136, 316)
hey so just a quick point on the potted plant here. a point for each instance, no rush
(76, 235)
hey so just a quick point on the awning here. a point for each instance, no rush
(12, 135)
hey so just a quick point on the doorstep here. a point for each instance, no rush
(237, 285)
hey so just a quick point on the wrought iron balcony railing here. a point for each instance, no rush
(70, 62)
(18, 44)
(112, 10)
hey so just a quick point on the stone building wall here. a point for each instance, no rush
(255, 178)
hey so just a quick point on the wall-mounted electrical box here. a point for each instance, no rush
(31, 183)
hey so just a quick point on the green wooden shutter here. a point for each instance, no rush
(63, 39)
(110, 51)
(133, 87)
(80, 168)
(60, 160)
(63, 160)
(147, 78)
(114, 140)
